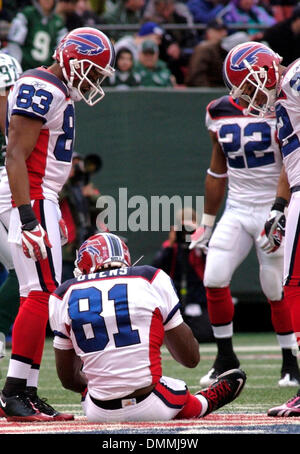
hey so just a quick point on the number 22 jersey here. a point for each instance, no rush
(39, 94)
(251, 149)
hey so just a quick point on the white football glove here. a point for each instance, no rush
(271, 236)
(201, 236)
(34, 243)
(64, 237)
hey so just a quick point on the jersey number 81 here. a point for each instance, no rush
(88, 325)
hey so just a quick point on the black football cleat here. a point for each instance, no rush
(44, 408)
(223, 390)
(20, 409)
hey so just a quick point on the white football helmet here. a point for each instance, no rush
(80, 52)
(257, 64)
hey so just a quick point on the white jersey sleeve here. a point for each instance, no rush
(39, 94)
(37, 99)
(211, 126)
(169, 303)
(18, 29)
(58, 319)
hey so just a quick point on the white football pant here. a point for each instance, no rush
(5, 252)
(231, 242)
(44, 275)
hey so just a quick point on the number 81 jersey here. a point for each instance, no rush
(39, 94)
(251, 149)
(115, 320)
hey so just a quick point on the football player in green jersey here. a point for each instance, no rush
(34, 34)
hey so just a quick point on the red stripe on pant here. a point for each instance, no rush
(293, 278)
(292, 298)
(172, 398)
(45, 269)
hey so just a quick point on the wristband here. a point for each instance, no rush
(30, 225)
(279, 204)
(217, 175)
(27, 215)
(208, 219)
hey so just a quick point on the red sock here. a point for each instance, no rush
(192, 408)
(30, 327)
(219, 305)
(281, 317)
(292, 297)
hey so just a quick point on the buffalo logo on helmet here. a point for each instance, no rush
(237, 62)
(86, 44)
(88, 248)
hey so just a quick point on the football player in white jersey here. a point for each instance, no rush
(244, 151)
(253, 71)
(109, 324)
(40, 119)
(10, 70)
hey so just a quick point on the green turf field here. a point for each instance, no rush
(259, 355)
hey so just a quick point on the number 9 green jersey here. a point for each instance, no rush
(36, 36)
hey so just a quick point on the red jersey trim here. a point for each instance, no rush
(156, 337)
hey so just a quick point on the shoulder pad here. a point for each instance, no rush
(146, 271)
(48, 77)
(224, 107)
(63, 288)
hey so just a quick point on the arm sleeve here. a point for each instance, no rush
(18, 29)
(209, 123)
(62, 32)
(169, 304)
(59, 323)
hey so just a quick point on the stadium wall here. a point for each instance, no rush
(154, 142)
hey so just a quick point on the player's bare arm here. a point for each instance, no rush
(23, 135)
(215, 184)
(283, 187)
(182, 345)
(215, 187)
(68, 366)
(3, 102)
(274, 229)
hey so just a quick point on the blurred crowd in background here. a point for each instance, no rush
(160, 43)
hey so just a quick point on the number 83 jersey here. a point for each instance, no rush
(251, 149)
(39, 94)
